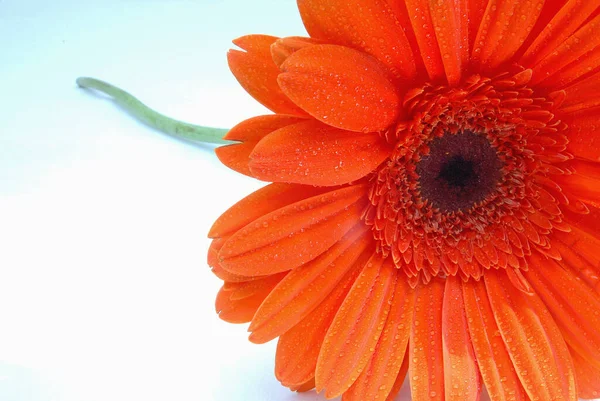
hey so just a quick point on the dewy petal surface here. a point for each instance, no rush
(443, 37)
(313, 153)
(588, 384)
(565, 22)
(293, 235)
(285, 47)
(534, 343)
(583, 141)
(367, 25)
(260, 203)
(249, 133)
(426, 363)
(573, 305)
(576, 46)
(461, 374)
(376, 382)
(298, 349)
(582, 95)
(497, 371)
(341, 87)
(238, 302)
(358, 325)
(422, 25)
(256, 71)
(504, 27)
(287, 304)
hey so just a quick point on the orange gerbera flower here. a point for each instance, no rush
(435, 205)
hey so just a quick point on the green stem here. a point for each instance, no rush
(154, 119)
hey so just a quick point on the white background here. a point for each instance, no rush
(105, 294)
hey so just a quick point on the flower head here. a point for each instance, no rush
(435, 200)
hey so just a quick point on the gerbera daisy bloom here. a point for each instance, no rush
(434, 205)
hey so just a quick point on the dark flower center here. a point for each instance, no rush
(460, 171)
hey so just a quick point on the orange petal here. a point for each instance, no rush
(495, 366)
(399, 378)
(285, 47)
(423, 27)
(587, 222)
(257, 73)
(367, 25)
(504, 27)
(238, 311)
(519, 281)
(293, 235)
(213, 251)
(217, 269)
(574, 306)
(258, 45)
(476, 11)
(582, 268)
(426, 366)
(585, 244)
(351, 339)
(250, 132)
(288, 304)
(313, 153)
(585, 188)
(573, 72)
(534, 342)
(401, 13)
(302, 388)
(568, 19)
(577, 45)
(379, 377)
(583, 173)
(441, 30)
(298, 349)
(582, 95)
(549, 11)
(452, 31)
(234, 307)
(583, 140)
(341, 87)
(243, 290)
(461, 374)
(588, 377)
(260, 203)
(224, 275)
